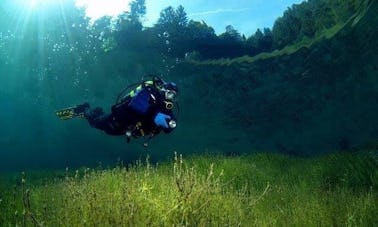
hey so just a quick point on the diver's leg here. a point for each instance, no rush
(98, 119)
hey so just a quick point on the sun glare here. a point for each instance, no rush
(33, 3)
(94, 9)
(98, 8)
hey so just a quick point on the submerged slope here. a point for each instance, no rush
(314, 97)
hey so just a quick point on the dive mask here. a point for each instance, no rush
(170, 91)
(170, 95)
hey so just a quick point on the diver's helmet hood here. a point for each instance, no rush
(170, 86)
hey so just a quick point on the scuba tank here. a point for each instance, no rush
(131, 90)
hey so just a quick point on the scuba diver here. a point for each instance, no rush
(144, 111)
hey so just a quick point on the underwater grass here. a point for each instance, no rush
(251, 190)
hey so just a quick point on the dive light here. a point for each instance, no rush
(172, 124)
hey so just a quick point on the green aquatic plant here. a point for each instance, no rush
(254, 190)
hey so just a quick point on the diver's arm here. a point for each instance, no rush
(165, 120)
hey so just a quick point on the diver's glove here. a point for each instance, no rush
(161, 120)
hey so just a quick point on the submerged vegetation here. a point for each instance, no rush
(254, 190)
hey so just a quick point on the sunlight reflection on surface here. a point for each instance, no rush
(98, 8)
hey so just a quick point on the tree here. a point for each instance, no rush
(129, 26)
(137, 12)
(137, 9)
(172, 25)
(201, 31)
(286, 29)
(231, 35)
(167, 17)
(228, 44)
(181, 17)
(259, 36)
(132, 20)
(173, 20)
(266, 43)
(201, 36)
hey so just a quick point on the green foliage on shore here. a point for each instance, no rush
(254, 190)
(300, 22)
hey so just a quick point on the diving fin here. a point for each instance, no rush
(72, 112)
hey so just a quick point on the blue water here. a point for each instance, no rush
(317, 100)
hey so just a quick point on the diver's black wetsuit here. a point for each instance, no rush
(138, 112)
